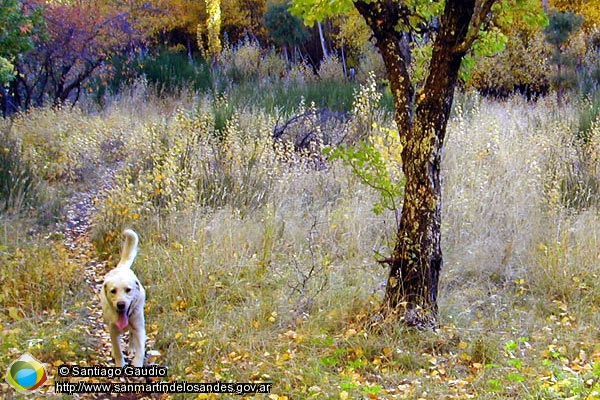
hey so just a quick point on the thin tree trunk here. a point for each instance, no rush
(323, 44)
(344, 66)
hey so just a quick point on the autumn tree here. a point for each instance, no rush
(213, 29)
(523, 66)
(243, 19)
(77, 42)
(422, 110)
(588, 9)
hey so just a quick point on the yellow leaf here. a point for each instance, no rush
(14, 314)
(178, 335)
(350, 332)
(290, 334)
(273, 316)
(343, 395)
(179, 304)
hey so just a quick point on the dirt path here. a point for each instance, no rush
(77, 228)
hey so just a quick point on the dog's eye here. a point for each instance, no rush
(127, 290)
(113, 291)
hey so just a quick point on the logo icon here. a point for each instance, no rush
(26, 374)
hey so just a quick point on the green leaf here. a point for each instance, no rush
(515, 377)
(329, 361)
(348, 385)
(515, 362)
(596, 370)
(511, 345)
(359, 362)
(494, 384)
(466, 68)
(312, 11)
(489, 43)
(373, 390)
(370, 167)
(6, 70)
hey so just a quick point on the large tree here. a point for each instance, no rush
(422, 110)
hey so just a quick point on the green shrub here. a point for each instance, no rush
(171, 71)
(166, 70)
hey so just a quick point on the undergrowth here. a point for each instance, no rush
(261, 266)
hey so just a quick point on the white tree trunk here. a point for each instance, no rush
(323, 44)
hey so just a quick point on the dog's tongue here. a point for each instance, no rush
(122, 321)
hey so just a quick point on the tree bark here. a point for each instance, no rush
(422, 117)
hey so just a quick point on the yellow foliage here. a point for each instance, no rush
(589, 9)
(36, 278)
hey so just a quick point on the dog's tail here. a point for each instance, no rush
(130, 248)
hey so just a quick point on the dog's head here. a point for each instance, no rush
(123, 292)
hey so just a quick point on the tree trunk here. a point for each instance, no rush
(415, 265)
(322, 39)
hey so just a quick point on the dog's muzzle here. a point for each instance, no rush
(123, 319)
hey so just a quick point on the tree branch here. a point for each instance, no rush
(480, 15)
(383, 17)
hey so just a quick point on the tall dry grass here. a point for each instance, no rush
(260, 267)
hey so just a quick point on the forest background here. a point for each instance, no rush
(208, 125)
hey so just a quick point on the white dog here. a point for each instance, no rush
(123, 298)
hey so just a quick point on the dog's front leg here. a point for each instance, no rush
(117, 353)
(137, 344)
